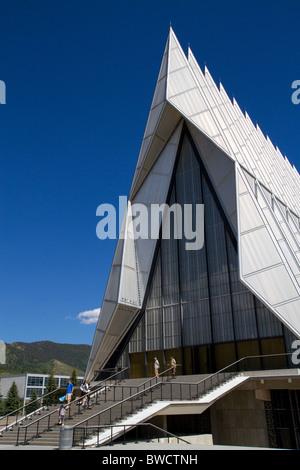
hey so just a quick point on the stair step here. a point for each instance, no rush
(51, 437)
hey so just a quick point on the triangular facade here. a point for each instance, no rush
(242, 289)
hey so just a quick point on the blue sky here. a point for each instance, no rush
(79, 83)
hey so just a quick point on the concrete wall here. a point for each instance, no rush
(239, 419)
(201, 439)
(2, 352)
(7, 381)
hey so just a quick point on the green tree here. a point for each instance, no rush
(2, 406)
(13, 401)
(51, 386)
(74, 378)
(33, 404)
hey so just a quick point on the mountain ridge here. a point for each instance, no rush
(44, 357)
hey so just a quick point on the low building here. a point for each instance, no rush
(27, 383)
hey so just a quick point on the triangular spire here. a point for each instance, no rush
(177, 87)
(160, 124)
(234, 154)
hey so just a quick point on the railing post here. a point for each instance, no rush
(98, 437)
(83, 440)
(202, 386)
(124, 435)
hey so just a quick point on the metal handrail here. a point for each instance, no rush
(143, 384)
(205, 382)
(121, 403)
(124, 426)
(239, 361)
(131, 397)
(76, 401)
(16, 412)
(160, 374)
(151, 387)
(236, 363)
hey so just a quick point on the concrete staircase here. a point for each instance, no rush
(161, 403)
(45, 421)
(112, 406)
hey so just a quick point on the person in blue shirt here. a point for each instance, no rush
(69, 391)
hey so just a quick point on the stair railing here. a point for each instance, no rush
(71, 407)
(203, 386)
(145, 395)
(129, 427)
(142, 390)
(236, 368)
(146, 384)
(21, 411)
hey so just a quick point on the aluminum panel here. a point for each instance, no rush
(258, 251)
(129, 288)
(180, 81)
(290, 257)
(249, 216)
(289, 314)
(153, 119)
(221, 170)
(177, 59)
(205, 121)
(267, 265)
(190, 102)
(196, 69)
(169, 120)
(214, 101)
(273, 285)
(154, 191)
(269, 215)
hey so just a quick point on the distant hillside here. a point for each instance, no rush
(42, 357)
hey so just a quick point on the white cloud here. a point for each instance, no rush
(89, 317)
